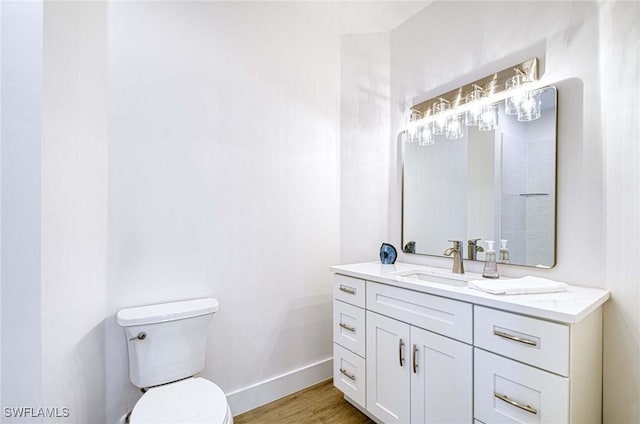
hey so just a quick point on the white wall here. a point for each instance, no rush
(21, 86)
(223, 181)
(364, 146)
(74, 213)
(619, 63)
(186, 150)
(590, 51)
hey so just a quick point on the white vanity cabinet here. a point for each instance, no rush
(423, 352)
(413, 374)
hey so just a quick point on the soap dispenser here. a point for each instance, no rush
(503, 254)
(490, 269)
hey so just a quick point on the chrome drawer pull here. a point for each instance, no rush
(401, 352)
(347, 290)
(346, 374)
(515, 338)
(347, 327)
(516, 404)
(415, 359)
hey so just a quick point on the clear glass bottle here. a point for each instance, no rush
(503, 253)
(490, 269)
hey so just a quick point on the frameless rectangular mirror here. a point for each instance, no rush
(493, 185)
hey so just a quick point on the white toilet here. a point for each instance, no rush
(167, 344)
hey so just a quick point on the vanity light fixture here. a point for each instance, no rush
(474, 104)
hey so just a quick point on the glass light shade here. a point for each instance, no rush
(440, 122)
(472, 101)
(454, 127)
(488, 118)
(512, 103)
(426, 137)
(530, 107)
(411, 133)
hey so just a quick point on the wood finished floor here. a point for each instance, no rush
(319, 404)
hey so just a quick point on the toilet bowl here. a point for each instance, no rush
(167, 345)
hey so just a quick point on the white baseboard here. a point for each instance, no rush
(274, 388)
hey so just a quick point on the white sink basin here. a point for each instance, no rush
(419, 275)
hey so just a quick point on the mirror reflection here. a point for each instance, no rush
(487, 185)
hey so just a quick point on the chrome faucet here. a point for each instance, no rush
(456, 251)
(473, 249)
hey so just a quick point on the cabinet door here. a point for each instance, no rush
(441, 379)
(388, 380)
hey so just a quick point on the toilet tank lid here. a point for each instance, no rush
(163, 312)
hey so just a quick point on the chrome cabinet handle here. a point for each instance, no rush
(415, 359)
(504, 398)
(401, 352)
(515, 338)
(347, 327)
(347, 290)
(346, 374)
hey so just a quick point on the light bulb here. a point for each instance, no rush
(454, 127)
(411, 132)
(530, 106)
(488, 118)
(440, 123)
(474, 109)
(512, 103)
(426, 137)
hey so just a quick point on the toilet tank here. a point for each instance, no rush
(166, 342)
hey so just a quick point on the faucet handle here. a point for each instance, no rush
(456, 243)
(473, 242)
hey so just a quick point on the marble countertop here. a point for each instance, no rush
(568, 307)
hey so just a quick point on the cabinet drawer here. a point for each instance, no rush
(348, 289)
(349, 327)
(349, 374)
(540, 343)
(448, 317)
(507, 391)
